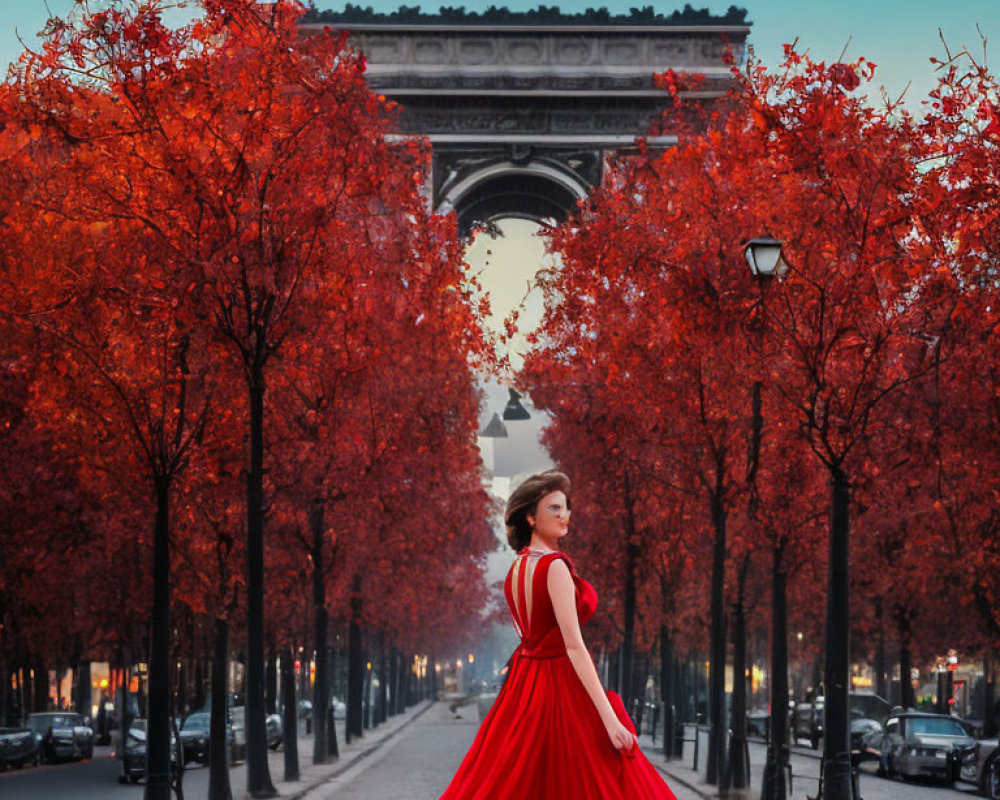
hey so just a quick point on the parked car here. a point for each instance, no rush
(132, 756)
(194, 734)
(981, 766)
(758, 722)
(915, 744)
(196, 731)
(18, 746)
(807, 721)
(62, 735)
(867, 712)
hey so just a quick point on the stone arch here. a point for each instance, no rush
(537, 191)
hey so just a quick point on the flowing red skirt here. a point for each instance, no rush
(544, 740)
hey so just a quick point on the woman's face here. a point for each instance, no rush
(551, 517)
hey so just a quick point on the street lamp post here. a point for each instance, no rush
(766, 262)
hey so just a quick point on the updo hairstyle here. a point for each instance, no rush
(524, 501)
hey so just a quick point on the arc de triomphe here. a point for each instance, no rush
(521, 114)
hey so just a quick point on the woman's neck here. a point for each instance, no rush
(537, 543)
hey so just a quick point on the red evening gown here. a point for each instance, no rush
(543, 738)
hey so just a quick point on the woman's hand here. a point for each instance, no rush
(621, 737)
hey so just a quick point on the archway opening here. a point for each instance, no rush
(522, 196)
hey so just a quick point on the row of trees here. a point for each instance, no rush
(729, 434)
(237, 352)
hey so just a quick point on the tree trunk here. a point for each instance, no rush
(258, 773)
(738, 768)
(383, 683)
(158, 721)
(668, 688)
(271, 681)
(881, 686)
(289, 715)
(321, 688)
(836, 730)
(332, 748)
(717, 644)
(989, 696)
(774, 787)
(199, 683)
(5, 686)
(83, 700)
(218, 761)
(355, 668)
(393, 682)
(908, 698)
(40, 686)
(366, 703)
(181, 682)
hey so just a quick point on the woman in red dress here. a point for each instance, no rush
(553, 731)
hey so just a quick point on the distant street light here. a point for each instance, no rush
(514, 410)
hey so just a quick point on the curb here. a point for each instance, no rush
(342, 767)
(683, 782)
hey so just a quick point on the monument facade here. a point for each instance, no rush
(520, 111)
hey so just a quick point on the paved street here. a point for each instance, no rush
(412, 758)
(417, 764)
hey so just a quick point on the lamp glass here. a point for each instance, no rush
(764, 257)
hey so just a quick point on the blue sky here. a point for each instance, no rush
(898, 35)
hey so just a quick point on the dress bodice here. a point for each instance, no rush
(526, 590)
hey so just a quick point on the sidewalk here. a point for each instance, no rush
(312, 775)
(805, 774)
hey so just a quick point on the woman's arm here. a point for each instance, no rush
(562, 591)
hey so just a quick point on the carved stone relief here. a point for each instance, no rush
(573, 52)
(652, 51)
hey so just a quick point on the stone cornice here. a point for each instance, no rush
(566, 30)
(542, 16)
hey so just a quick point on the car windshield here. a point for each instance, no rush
(869, 706)
(936, 726)
(197, 722)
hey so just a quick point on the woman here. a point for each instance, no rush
(553, 731)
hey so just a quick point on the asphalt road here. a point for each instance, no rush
(94, 780)
(418, 763)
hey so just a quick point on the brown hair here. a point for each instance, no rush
(524, 501)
